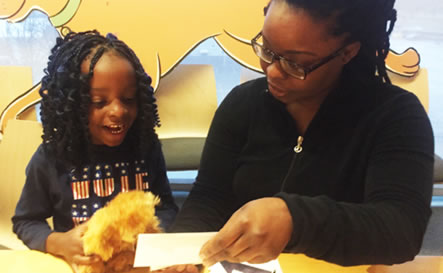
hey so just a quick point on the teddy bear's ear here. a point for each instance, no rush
(111, 240)
(103, 241)
(153, 229)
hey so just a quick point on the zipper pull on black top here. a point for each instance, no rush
(298, 148)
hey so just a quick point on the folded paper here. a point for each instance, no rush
(159, 250)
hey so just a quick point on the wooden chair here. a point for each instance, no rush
(187, 102)
(20, 140)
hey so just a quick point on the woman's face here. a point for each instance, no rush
(293, 34)
(113, 92)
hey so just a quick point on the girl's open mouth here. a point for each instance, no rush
(115, 128)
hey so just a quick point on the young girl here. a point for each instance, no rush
(98, 112)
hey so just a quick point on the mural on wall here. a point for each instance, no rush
(162, 32)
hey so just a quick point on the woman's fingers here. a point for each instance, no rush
(257, 233)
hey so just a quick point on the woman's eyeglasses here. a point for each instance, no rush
(290, 67)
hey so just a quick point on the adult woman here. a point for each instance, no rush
(323, 156)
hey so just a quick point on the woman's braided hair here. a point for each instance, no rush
(66, 100)
(368, 21)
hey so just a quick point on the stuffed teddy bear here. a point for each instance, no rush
(112, 231)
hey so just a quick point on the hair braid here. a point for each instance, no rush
(368, 21)
(66, 100)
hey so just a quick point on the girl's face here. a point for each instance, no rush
(294, 34)
(113, 92)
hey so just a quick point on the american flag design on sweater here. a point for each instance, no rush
(97, 184)
(141, 183)
(80, 185)
(103, 181)
(124, 175)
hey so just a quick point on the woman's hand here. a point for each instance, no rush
(256, 233)
(182, 268)
(69, 245)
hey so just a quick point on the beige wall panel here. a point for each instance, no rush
(186, 101)
(14, 80)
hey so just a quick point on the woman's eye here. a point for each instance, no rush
(294, 65)
(268, 52)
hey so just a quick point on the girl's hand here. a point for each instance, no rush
(256, 233)
(69, 246)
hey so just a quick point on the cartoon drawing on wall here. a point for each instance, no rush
(162, 33)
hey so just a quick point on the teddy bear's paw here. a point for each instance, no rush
(122, 261)
(98, 267)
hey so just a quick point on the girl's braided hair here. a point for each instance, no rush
(66, 100)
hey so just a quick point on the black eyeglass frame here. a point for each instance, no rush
(285, 64)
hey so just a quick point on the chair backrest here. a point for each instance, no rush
(182, 153)
(19, 142)
(187, 101)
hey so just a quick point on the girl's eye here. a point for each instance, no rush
(129, 100)
(98, 103)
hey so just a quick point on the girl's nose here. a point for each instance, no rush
(117, 109)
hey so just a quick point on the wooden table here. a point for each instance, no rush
(17, 261)
(298, 263)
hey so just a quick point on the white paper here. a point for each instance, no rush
(271, 266)
(159, 250)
